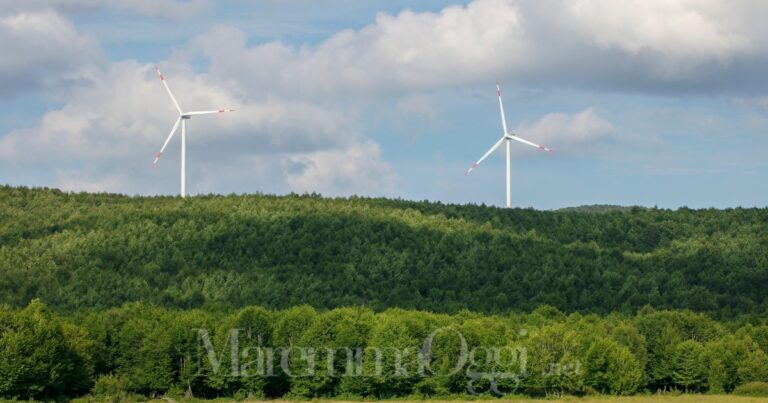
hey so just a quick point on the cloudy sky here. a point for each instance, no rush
(645, 102)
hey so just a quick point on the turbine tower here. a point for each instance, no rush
(183, 117)
(505, 138)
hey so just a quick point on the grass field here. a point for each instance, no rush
(689, 398)
(604, 399)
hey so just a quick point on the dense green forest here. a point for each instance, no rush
(140, 349)
(243, 295)
(76, 251)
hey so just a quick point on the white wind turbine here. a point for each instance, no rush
(183, 117)
(505, 139)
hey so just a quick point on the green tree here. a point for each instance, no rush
(318, 368)
(729, 352)
(611, 368)
(244, 338)
(754, 368)
(716, 377)
(144, 358)
(690, 369)
(554, 365)
(42, 357)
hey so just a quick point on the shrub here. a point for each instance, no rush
(759, 389)
(109, 386)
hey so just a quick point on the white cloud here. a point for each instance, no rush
(645, 45)
(417, 106)
(90, 180)
(38, 48)
(299, 105)
(124, 106)
(566, 131)
(397, 53)
(117, 117)
(356, 169)
(679, 35)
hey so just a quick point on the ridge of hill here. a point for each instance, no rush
(77, 250)
(597, 208)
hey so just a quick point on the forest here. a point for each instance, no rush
(138, 351)
(76, 251)
(302, 296)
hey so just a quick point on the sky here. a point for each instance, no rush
(644, 102)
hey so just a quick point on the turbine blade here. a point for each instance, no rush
(167, 139)
(209, 112)
(532, 144)
(495, 146)
(162, 78)
(501, 109)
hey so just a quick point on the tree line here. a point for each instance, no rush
(141, 349)
(78, 250)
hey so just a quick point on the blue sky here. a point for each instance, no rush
(644, 102)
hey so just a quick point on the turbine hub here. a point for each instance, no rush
(186, 117)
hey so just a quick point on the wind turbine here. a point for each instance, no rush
(183, 117)
(505, 139)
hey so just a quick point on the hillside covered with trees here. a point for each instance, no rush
(77, 251)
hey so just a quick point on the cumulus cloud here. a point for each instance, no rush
(417, 106)
(38, 49)
(90, 180)
(118, 117)
(398, 53)
(680, 35)
(124, 105)
(645, 45)
(298, 103)
(358, 168)
(672, 46)
(583, 127)
(582, 132)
